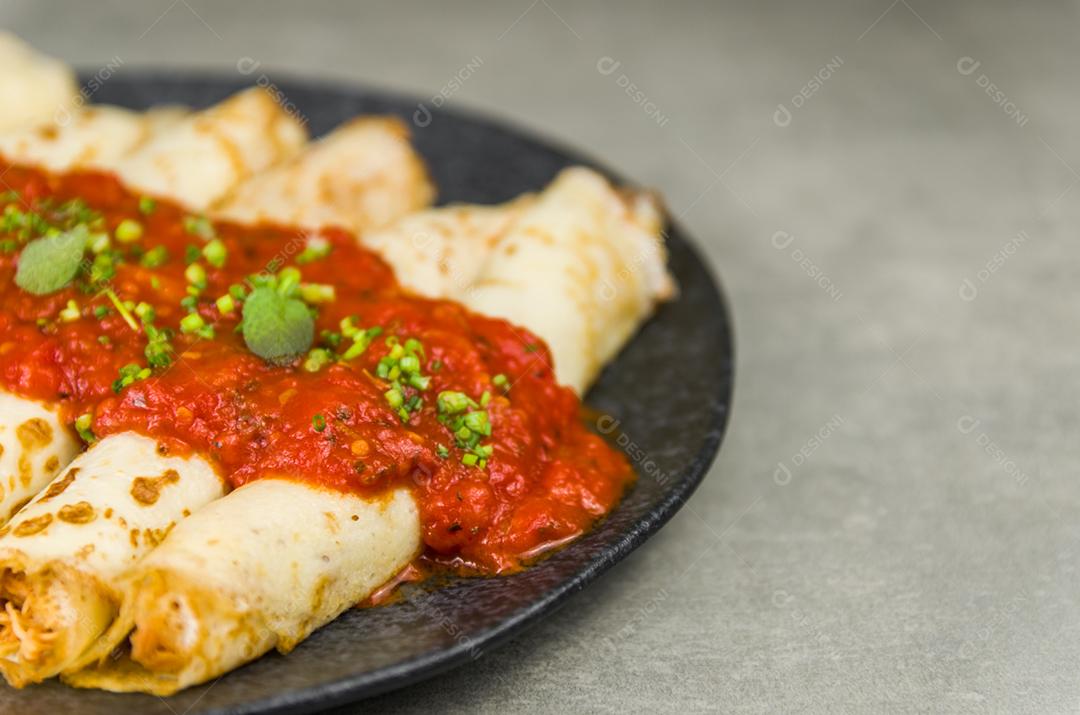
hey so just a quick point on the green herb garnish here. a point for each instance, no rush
(128, 231)
(276, 328)
(82, 426)
(199, 226)
(48, 264)
(155, 257)
(468, 421)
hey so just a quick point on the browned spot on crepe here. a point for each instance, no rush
(18, 507)
(153, 537)
(78, 513)
(147, 490)
(26, 472)
(33, 526)
(34, 434)
(57, 488)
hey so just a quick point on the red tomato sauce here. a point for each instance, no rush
(546, 481)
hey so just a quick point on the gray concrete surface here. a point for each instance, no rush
(889, 524)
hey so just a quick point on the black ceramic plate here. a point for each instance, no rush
(666, 399)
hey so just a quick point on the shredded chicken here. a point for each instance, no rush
(19, 631)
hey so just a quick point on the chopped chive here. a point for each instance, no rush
(196, 275)
(215, 253)
(145, 312)
(128, 231)
(121, 309)
(318, 422)
(147, 205)
(155, 257)
(225, 304)
(452, 402)
(83, 426)
(288, 281)
(317, 293)
(99, 242)
(317, 247)
(317, 359)
(192, 323)
(70, 313)
(199, 226)
(394, 398)
(499, 380)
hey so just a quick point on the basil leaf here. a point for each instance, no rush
(48, 264)
(276, 328)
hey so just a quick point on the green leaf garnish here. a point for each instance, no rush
(276, 328)
(48, 264)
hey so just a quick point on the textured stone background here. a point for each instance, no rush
(887, 527)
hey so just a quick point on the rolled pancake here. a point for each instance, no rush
(227, 585)
(61, 556)
(361, 176)
(582, 267)
(91, 138)
(200, 159)
(33, 87)
(246, 132)
(439, 253)
(34, 446)
(70, 584)
(248, 573)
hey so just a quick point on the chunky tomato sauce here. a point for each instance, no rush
(537, 480)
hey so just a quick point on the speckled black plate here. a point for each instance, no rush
(666, 401)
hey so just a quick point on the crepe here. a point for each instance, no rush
(153, 146)
(92, 138)
(246, 574)
(276, 559)
(200, 159)
(81, 592)
(360, 177)
(33, 88)
(440, 252)
(582, 267)
(34, 446)
(62, 553)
